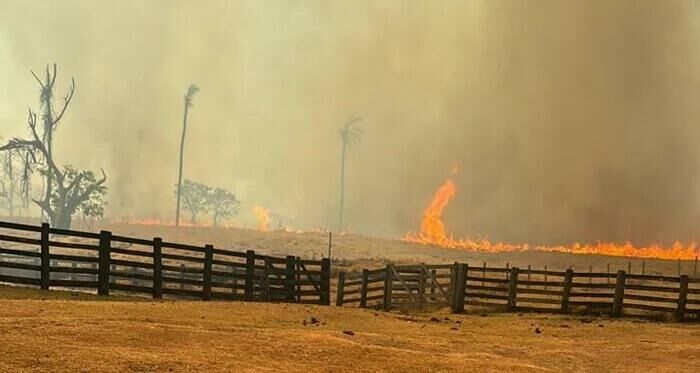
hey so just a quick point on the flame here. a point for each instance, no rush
(263, 216)
(432, 232)
(432, 229)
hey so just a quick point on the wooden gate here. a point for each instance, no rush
(416, 286)
(293, 280)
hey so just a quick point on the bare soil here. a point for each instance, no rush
(57, 332)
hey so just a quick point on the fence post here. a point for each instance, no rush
(568, 282)
(463, 281)
(206, 273)
(182, 276)
(363, 291)
(454, 269)
(297, 287)
(460, 281)
(388, 285)
(433, 277)
(104, 262)
(325, 282)
(340, 294)
(249, 274)
(289, 277)
(266, 274)
(529, 270)
(421, 286)
(682, 298)
(451, 285)
(512, 288)
(157, 268)
(619, 294)
(45, 258)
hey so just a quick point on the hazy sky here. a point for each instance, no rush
(570, 120)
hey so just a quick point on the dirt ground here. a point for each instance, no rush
(56, 331)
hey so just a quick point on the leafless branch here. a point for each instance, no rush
(39, 145)
(66, 101)
(53, 78)
(37, 79)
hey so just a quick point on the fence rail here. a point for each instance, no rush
(513, 289)
(56, 258)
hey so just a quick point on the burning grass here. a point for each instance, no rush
(432, 232)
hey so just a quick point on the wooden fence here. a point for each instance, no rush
(521, 290)
(55, 258)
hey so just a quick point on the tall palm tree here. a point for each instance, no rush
(188, 104)
(351, 135)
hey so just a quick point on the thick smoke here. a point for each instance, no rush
(570, 120)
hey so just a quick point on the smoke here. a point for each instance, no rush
(570, 120)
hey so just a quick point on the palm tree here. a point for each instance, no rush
(188, 104)
(350, 134)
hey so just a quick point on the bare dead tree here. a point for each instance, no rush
(191, 91)
(61, 203)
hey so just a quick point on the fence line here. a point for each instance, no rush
(55, 258)
(517, 290)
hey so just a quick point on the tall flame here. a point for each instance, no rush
(432, 229)
(432, 232)
(263, 216)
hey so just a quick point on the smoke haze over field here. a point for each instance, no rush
(570, 120)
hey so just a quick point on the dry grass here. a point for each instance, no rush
(60, 334)
(356, 252)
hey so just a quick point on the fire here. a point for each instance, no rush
(263, 216)
(432, 229)
(432, 232)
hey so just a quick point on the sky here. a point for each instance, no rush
(569, 120)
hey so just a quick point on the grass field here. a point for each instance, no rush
(56, 331)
